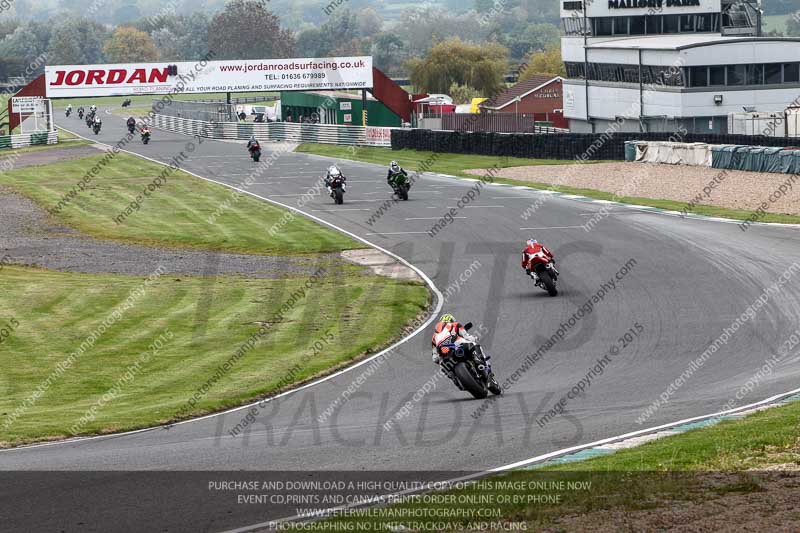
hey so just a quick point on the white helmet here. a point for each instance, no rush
(334, 171)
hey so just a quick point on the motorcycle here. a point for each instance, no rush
(468, 367)
(255, 152)
(90, 120)
(131, 128)
(401, 185)
(80, 114)
(96, 127)
(145, 137)
(126, 102)
(544, 273)
(68, 112)
(336, 186)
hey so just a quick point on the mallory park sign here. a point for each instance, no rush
(658, 4)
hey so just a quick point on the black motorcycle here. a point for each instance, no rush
(68, 112)
(255, 152)
(96, 127)
(336, 185)
(468, 367)
(145, 137)
(80, 114)
(90, 120)
(131, 127)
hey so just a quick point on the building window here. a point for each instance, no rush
(652, 24)
(603, 26)
(672, 23)
(755, 74)
(687, 23)
(698, 77)
(773, 73)
(572, 25)
(637, 25)
(575, 70)
(736, 74)
(791, 72)
(621, 26)
(716, 75)
(573, 6)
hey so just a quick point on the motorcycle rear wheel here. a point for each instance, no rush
(548, 282)
(465, 377)
(403, 191)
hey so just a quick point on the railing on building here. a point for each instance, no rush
(28, 139)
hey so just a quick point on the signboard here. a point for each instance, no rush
(28, 104)
(209, 76)
(348, 117)
(345, 106)
(378, 136)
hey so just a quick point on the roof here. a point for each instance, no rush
(681, 41)
(521, 90)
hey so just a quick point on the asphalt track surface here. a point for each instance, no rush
(689, 280)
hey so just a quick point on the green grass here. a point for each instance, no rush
(208, 320)
(696, 466)
(177, 214)
(456, 164)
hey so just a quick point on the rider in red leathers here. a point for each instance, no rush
(531, 249)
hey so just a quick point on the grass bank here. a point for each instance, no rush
(85, 354)
(458, 164)
(119, 381)
(176, 214)
(679, 479)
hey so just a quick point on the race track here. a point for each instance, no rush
(683, 281)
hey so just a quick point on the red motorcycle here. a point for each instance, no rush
(255, 151)
(544, 272)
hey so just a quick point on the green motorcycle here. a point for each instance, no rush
(401, 185)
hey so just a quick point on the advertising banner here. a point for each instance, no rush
(209, 77)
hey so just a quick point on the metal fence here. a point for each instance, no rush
(28, 139)
(206, 111)
(277, 131)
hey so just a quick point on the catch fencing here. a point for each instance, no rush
(278, 131)
(28, 139)
(208, 110)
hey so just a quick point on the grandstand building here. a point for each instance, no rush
(672, 65)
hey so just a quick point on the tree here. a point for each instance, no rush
(463, 94)
(369, 22)
(544, 62)
(27, 43)
(389, 53)
(129, 45)
(312, 43)
(77, 42)
(481, 67)
(180, 38)
(247, 30)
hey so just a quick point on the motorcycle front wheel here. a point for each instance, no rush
(468, 381)
(338, 196)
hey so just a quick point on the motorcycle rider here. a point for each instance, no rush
(394, 170)
(252, 142)
(533, 247)
(80, 112)
(69, 109)
(98, 122)
(445, 329)
(131, 123)
(93, 108)
(145, 131)
(334, 173)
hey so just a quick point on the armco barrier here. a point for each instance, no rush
(28, 139)
(278, 131)
(589, 146)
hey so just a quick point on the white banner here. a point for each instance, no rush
(209, 77)
(378, 136)
(28, 104)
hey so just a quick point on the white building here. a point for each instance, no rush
(668, 65)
